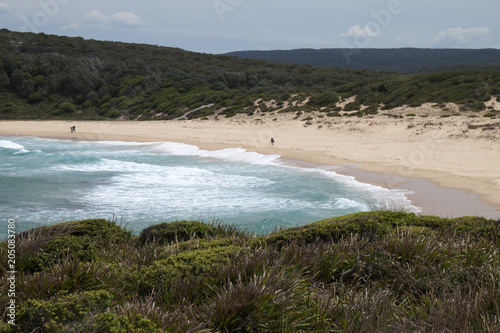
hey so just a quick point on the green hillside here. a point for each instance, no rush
(52, 77)
(365, 272)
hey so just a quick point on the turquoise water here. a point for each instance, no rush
(45, 181)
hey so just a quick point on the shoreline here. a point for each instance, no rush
(436, 192)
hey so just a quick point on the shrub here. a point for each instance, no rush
(67, 108)
(45, 246)
(375, 223)
(113, 114)
(35, 98)
(353, 106)
(47, 315)
(200, 262)
(175, 231)
(324, 99)
(334, 228)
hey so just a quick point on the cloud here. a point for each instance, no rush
(356, 32)
(118, 20)
(4, 7)
(459, 37)
(361, 37)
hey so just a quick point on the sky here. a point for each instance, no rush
(220, 26)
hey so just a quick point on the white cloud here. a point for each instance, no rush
(4, 7)
(360, 37)
(459, 37)
(356, 32)
(121, 19)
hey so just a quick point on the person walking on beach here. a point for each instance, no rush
(73, 129)
(272, 141)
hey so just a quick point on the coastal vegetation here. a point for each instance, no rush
(376, 271)
(52, 77)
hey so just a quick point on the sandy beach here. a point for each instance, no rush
(451, 163)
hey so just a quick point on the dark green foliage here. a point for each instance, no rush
(175, 231)
(51, 77)
(366, 272)
(66, 107)
(327, 98)
(71, 78)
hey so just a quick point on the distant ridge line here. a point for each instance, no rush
(390, 60)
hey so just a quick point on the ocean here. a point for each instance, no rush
(45, 181)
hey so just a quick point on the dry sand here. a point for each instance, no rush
(415, 153)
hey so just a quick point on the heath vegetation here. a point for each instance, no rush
(376, 271)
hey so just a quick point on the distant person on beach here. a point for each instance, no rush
(272, 141)
(73, 129)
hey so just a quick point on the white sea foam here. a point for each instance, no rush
(7, 144)
(109, 165)
(182, 149)
(345, 203)
(381, 198)
(228, 154)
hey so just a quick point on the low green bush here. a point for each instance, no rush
(49, 315)
(175, 231)
(326, 98)
(196, 262)
(333, 229)
(83, 240)
(377, 223)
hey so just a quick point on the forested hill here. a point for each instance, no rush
(53, 77)
(397, 60)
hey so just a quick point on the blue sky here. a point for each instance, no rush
(218, 26)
